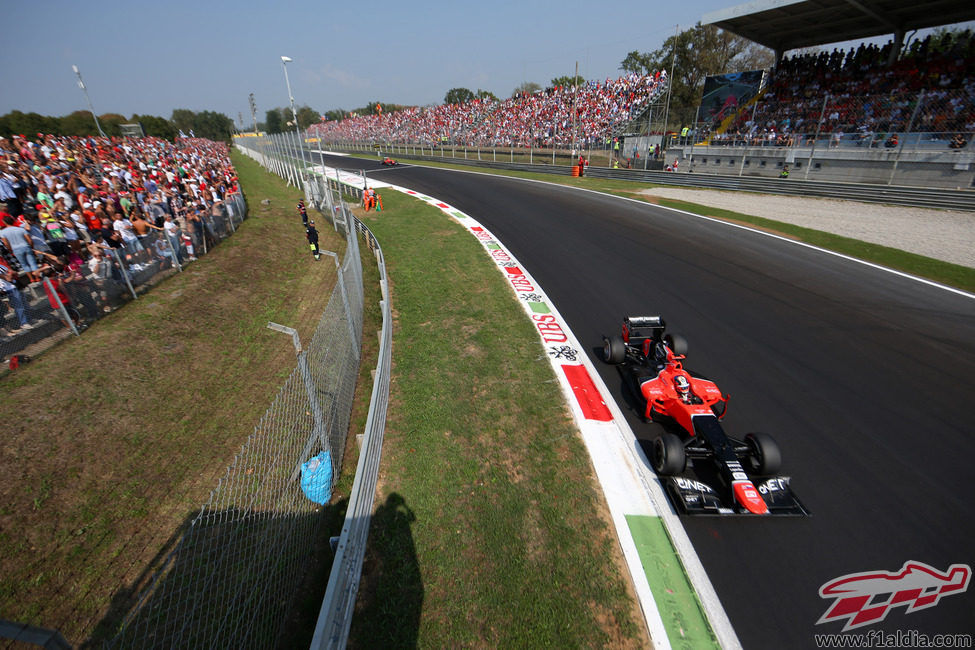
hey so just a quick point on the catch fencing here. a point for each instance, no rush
(69, 298)
(281, 154)
(235, 571)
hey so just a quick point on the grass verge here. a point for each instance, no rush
(490, 530)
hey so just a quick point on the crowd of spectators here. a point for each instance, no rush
(558, 116)
(868, 97)
(71, 206)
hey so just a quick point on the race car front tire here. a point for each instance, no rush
(765, 457)
(668, 455)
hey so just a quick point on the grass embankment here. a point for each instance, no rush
(490, 530)
(112, 441)
(953, 275)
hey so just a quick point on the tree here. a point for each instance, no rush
(307, 116)
(567, 81)
(526, 88)
(213, 126)
(273, 121)
(486, 94)
(78, 123)
(701, 51)
(110, 123)
(336, 114)
(458, 96)
(182, 120)
(156, 127)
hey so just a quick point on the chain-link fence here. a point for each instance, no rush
(91, 281)
(236, 568)
(329, 190)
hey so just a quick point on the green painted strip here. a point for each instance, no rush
(539, 308)
(459, 215)
(681, 612)
(491, 246)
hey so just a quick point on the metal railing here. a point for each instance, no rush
(933, 197)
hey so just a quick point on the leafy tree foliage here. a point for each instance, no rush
(458, 96)
(182, 120)
(486, 94)
(307, 116)
(568, 81)
(372, 108)
(701, 51)
(155, 126)
(526, 88)
(336, 114)
(207, 124)
(273, 121)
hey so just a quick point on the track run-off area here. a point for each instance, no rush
(864, 376)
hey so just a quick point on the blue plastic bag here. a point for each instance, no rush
(316, 478)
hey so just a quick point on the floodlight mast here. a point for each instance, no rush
(81, 84)
(285, 60)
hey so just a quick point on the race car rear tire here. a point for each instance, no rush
(676, 343)
(668, 455)
(765, 457)
(614, 350)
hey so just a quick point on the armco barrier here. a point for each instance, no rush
(949, 199)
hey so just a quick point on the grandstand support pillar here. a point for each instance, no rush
(895, 49)
(819, 125)
(646, 159)
(575, 95)
(697, 115)
(910, 125)
(744, 151)
(670, 84)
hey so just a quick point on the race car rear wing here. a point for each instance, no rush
(637, 329)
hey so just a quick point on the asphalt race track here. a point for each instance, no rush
(864, 377)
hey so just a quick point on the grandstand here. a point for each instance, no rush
(903, 112)
(558, 117)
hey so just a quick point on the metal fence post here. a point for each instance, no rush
(175, 251)
(318, 429)
(125, 273)
(910, 125)
(345, 296)
(822, 114)
(60, 305)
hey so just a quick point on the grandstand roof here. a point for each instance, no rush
(789, 24)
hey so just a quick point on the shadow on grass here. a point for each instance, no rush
(231, 578)
(391, 593)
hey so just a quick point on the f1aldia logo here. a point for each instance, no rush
(866, 598)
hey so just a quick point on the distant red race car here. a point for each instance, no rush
(389, 162)
(689, 407)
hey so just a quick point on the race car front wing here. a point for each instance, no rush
(692, 497)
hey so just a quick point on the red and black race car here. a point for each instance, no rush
(389, 162)
(732, 476)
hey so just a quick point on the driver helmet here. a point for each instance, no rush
(682, 386)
